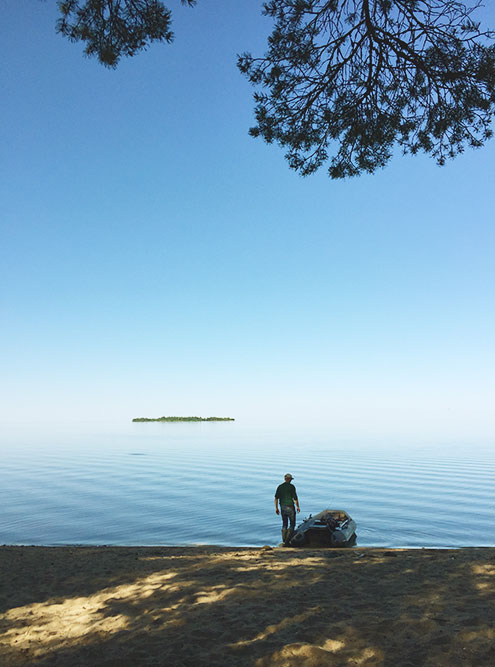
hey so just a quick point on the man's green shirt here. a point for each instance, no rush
(286, 493)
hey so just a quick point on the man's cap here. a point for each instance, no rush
(288, 475)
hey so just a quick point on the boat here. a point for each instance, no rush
(328, 528)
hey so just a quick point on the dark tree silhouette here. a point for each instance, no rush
(357, 77)
(343, 81)
(115, 28)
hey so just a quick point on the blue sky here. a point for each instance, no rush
(158, 260)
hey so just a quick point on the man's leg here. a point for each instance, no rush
(290, 531)
(285, 523)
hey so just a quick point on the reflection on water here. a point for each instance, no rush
(210, 483)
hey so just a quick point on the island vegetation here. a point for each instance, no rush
(183, 419)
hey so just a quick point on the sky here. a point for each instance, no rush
(157, 260)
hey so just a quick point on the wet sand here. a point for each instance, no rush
(174, 606)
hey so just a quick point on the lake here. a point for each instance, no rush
(213, 483)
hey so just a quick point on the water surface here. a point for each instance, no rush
(213, 483)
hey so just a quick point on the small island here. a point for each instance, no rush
(183, 419)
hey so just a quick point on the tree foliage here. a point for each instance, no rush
(113, 28)
(347, 80)
(343, 81)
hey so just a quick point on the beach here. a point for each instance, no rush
(246, 606)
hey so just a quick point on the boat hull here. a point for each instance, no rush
(329, 528)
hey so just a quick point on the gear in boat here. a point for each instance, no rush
(329, 528)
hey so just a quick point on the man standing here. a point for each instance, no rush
(286, 495)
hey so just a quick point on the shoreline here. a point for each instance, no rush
(79, 545)
(219, 605)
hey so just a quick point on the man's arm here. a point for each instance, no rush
(296, 500)
(276, 505)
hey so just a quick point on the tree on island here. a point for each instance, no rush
(343, 81)
(183, 419)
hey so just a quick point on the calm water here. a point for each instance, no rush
(165, 484)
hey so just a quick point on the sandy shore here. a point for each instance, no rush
(176, 606)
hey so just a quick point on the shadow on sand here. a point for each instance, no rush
(225, 606)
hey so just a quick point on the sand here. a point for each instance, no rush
(174, 606)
